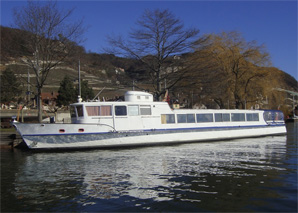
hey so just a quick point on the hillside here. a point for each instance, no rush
(114, 73)
(100, 70)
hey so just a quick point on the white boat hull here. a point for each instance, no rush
(110, 138)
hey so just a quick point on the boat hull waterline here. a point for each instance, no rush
(144, 138)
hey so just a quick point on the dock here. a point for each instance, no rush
(9, 139)
(30, 116)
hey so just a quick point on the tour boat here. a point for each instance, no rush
(140, 121)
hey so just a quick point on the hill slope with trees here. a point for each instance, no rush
(206, 80)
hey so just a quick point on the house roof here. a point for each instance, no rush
(49, 95)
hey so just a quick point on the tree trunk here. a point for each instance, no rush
(39, 105)
(158, 86)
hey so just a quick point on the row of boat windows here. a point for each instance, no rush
(132, 110)
(135, 110)
(208, 117)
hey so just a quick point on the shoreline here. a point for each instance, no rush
(7, 136)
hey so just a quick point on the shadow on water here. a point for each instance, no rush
(258, 174)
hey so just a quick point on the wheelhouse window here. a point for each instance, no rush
(167, 119)
(133, 110)
(202, 118)
(120, 110)
(145, 109)
(222, 117)
(238, 117)
(252, 116)
(99, 110)
(80, 111)
(73, 112)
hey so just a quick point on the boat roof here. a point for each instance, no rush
(137, 97)
(140, 97)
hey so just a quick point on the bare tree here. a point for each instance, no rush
(158, 37)
(51, 38)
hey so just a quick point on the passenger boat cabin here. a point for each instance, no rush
(139, 112)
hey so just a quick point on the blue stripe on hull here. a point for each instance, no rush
(84, 137)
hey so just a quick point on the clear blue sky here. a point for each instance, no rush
(272, 23)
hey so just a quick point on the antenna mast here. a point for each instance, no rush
(79, 81)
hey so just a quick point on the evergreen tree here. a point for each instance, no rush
(10, 86)
(67, 92)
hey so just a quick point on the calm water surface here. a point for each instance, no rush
(258, 174)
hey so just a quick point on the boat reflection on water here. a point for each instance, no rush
(188, 172)
(141, 175)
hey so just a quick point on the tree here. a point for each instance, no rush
(10, 86)
(234, 67)
(51, 39)
(158, 37)
(67, 92)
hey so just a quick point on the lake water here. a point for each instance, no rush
(258, 174)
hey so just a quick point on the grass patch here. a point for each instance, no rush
(12, 129)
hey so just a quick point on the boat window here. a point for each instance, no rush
(181, 118)
(186, 118)
(99, 110)
(252, 116)
(222, 117)
(191, 118)
(273, 116)
(238, 117)
(93, 110)
(226, 117)
(201, 118)
(120, 110)
(105, 110)
(133, 110)
(80, 111)
(167, 119)
(145, 109)
(278, 116)
(268, 116)
(73, 112)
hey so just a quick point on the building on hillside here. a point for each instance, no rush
(49, 98)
